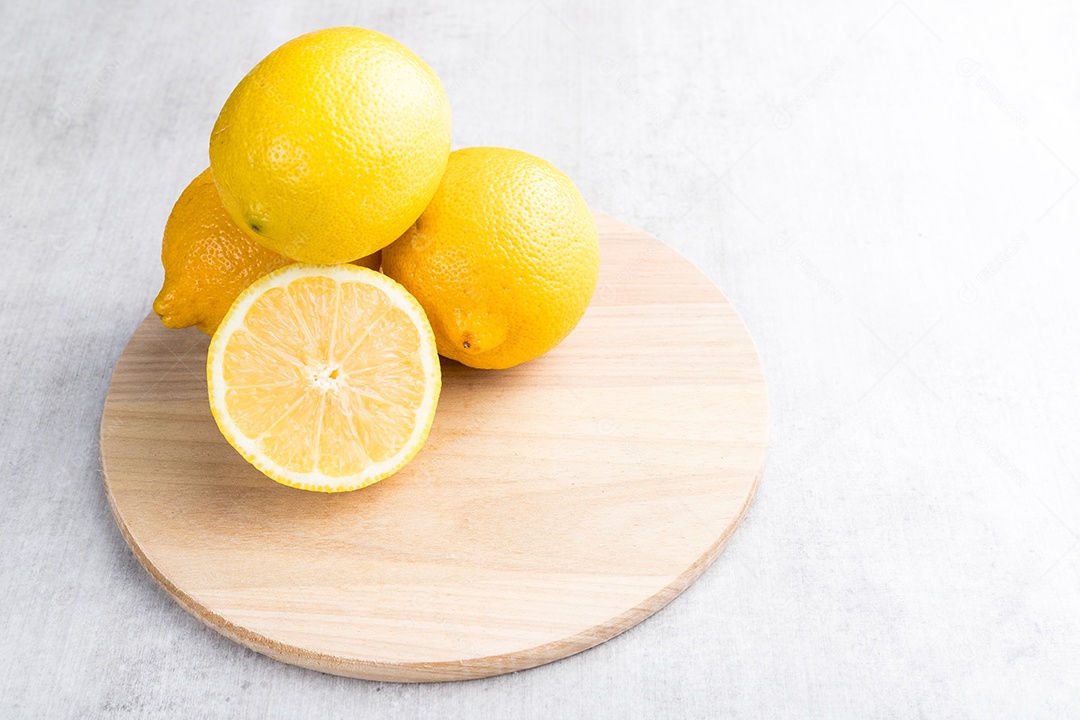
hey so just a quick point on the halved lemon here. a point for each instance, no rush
(324, 377)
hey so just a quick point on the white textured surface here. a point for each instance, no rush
(886, 192)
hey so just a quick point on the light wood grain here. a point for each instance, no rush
(554, 505)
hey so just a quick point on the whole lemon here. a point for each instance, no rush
(209, 260)
(332, 145)
(504, 260)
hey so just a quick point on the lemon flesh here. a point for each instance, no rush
(324, 377)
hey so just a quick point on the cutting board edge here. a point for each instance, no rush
(448, 671)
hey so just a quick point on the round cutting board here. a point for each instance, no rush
(554, 505)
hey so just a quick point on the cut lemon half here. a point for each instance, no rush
(324, 377)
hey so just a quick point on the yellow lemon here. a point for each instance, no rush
(209, 260)
(332, 145)
(324, 377)
(504, 260)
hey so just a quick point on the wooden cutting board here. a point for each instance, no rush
(554, 505)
